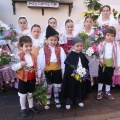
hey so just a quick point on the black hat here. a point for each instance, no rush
(50, 31)
(76, 40)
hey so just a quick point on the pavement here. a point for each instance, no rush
(94, 109)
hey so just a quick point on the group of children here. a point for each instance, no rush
(53, 54)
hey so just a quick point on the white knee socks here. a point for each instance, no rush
(30, 100)
(107, 88)
(100, 86)
(22, 100)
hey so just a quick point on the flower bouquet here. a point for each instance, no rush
(93, 4)
(8, 32)
(94, 14)
(5, 57)
(92, 51)
(115, 13)
(80, 74)
(40, 93)
(97, 36)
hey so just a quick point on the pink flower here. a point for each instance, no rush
(7, 34)
(96, 31)
(95, 48)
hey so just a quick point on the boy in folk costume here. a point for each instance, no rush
(51, 61)
(27, 77)
(108, 51)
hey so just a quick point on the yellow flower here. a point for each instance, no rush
(81, 80)
(77, 77)
(83, 14)
(72, 75)
(89, 11)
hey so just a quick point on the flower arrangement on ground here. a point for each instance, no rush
(8, 32)
(80, 74)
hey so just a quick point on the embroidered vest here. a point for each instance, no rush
(24, 74)
(47, 52)
(114, 52)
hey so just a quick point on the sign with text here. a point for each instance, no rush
(42, 4)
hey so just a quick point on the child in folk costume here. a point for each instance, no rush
(93, 62)
(23, 28)
(51, 61)
(87, 26)
(108, 52)
(26, 72)
(66, 37)
(53, 23)
(73, 90)
(36, 39)
(106, 18)
(116, 76)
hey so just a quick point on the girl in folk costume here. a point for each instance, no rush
(116, 76)
(36, 39)
(53, 23)
(72, 89)
(7, 75)
(106, 18)
(93, 62)
(87, 26)
(23, 28)
(108, 52)
(51, 61)
(26, 72)
(66, 37)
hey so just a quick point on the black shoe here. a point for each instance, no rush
(34, 110)
(24, 113)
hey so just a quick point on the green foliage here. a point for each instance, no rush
(83, 36)
(94, 4)
(5, 59)
(40, 94)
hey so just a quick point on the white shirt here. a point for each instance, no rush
(63, 37)
(37, 42)
(18, 66)
(88, 33)
(41, 60)
(79, 62)
(109, 51)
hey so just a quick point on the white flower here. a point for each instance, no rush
(5, 26)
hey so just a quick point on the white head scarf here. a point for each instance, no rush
(18, 27)
(63, 30)
(112, 21)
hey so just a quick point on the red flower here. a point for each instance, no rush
(95, 48)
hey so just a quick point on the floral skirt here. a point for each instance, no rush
(116, 77)
(7, 75)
